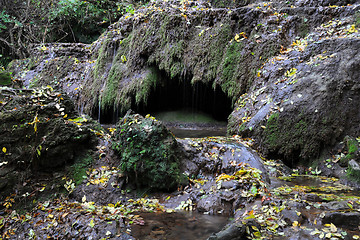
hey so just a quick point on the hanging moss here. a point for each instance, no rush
(146, 85)
(230, 73)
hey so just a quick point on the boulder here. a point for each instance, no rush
(40, 133)
(149, 152)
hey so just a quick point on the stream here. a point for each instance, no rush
(178, 226)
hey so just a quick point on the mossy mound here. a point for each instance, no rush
(5, 79)
(149, 152)
(41, 133)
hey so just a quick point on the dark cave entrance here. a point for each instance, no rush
(176, 95)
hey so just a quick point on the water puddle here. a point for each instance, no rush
(187, 123)
(178, 226)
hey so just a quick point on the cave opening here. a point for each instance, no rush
(183, 97)
(177, 95)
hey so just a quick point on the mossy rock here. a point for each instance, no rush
(5, 79)
(352, 147)
(353, 171)
(149, 152)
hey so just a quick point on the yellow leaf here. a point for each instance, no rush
(333, 228)
(356, 237)
(295, 223)
(257, 234)
(92, 224)
(83, 199)
(291, 72)
(258, 74)
(4, 149)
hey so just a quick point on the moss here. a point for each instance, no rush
(272, 131)
(304, 29)
(110, 92)
(357, 19)
(79, 168)
(5, 79)
(242, 127)
(148, 152)
(352, 146)
(145, 87)
(217, 46)
(232, 60)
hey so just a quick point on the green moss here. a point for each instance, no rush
(272, 131)
(145, 87)
(232, 61)
(304, 29)
(5, 79)
(79, 168)
(148, 152)
(357, 19)
(352, 146)
(110, 92)
(242, 127)
(216, 49)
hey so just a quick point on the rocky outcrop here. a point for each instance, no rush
(40, 133)
(305, 97)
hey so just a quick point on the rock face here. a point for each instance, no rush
(305, 98)
(39, 132)
(292, 68)
(149, 152)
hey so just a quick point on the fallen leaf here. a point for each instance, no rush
(92, 224)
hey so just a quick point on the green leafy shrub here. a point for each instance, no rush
(148, 151)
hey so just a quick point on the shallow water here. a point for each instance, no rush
(178, 226)
(185, 116)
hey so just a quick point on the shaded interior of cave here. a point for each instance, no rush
(179, 95)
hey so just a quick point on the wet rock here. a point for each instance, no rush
(149, 152)
(334, 205)
(354, 170)
(292, 215)
(350, 220)
(300, 109)
(312, 197)
(234, 231)
(40, 133)
(232, 185)
(219, 155)
(210, 204)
